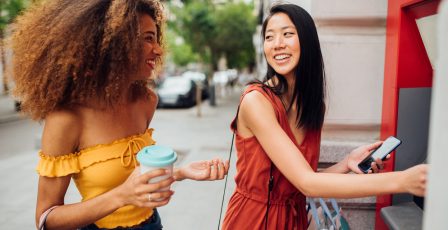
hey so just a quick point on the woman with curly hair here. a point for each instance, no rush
(83, 67)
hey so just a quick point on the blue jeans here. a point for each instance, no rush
(153, 223)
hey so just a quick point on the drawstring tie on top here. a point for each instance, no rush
(134, 145)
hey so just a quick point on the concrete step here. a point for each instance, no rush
(333, 151)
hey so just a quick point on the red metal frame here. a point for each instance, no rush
(406, 66)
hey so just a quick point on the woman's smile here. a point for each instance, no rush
(282, 45)
(282, 58)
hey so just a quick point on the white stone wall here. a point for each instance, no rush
(352, 35)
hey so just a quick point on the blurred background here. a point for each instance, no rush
(214, 49)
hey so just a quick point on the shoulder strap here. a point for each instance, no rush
(271, 177)
(227, 176)
(268, 203)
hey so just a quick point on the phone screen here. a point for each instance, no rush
(381, 152)
(388, 146)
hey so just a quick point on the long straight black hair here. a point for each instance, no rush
(309, 87)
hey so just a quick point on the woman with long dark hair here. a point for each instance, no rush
(278, 131)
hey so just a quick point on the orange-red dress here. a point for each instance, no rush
(247, 206)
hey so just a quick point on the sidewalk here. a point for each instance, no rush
(7, 110)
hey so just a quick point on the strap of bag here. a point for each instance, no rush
(270, 183)
(268, 203)
(327, 211)
(335, 206)
(313, 207)
(227, 176)
(225, 184)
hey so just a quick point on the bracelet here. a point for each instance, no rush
(44, 216)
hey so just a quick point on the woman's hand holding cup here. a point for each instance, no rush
(138, 192)
(149, 184)
(157, 157)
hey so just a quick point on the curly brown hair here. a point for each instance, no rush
(68, 52)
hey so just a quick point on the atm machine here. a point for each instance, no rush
(406, 105)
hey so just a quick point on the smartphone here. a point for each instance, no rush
(389, 145)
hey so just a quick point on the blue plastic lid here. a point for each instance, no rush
(156, 156)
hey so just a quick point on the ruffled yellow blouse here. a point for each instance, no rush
(99, 169)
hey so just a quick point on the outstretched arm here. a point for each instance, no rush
(291, 163)
(214, 169)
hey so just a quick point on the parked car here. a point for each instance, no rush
(177, 91)
(200, 79)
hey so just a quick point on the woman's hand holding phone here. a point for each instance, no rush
(359, 154)
(382, 152)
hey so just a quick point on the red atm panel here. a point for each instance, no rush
(406, 66)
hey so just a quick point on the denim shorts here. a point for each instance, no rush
(153, 223)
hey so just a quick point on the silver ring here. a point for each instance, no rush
(149, 197)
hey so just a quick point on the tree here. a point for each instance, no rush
(9, 9)
(179, 52)
(236, 24)
(197, 25)
(213, 31)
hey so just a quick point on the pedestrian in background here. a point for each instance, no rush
(83, 68)
(278, 132)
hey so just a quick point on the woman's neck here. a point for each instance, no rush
(288, 96)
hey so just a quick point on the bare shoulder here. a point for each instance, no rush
(256, 108)
(61, 133)
(255, 102)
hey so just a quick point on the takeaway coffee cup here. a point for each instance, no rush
(155, 157)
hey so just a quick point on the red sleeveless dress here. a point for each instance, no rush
(247, 206)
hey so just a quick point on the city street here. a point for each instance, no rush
(192, 137)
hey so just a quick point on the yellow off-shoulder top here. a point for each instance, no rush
(99, 169)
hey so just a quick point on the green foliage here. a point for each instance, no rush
(236, 25)
(180, 53)
(216, 30)
(9, 9)
(196, 24)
